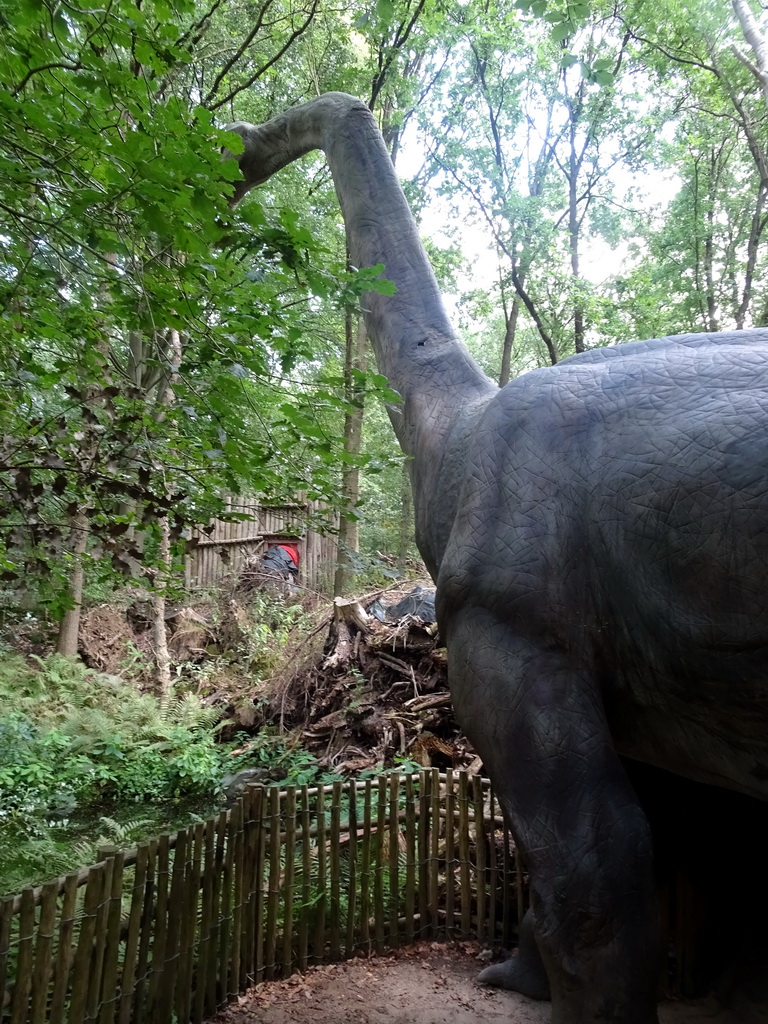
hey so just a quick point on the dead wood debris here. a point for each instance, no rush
(357, 692)
(109, 638)
(377, 695)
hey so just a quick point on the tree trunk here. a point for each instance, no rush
(756, 230)
(159, 631)
(510, 332)
(406, 521)
(349, 536)
(757, 41)
(709, 244)
(510, 326)
(165, 398)
(69, 629)
(574, 229)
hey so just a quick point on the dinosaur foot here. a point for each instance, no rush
(524, 972)
(519, 974)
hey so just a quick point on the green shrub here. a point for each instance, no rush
(271, 628)
(69, 734)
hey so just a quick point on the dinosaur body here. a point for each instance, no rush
(598, 532)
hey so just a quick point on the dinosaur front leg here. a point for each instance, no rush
(539, 726)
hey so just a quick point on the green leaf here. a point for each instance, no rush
(385, 11)
(145, 53)
(232, 141)
(605, 78)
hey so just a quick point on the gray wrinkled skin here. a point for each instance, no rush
(603, 589)
(598, 532)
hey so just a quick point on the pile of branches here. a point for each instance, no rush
(376, 697)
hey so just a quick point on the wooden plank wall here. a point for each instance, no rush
(224, 546)
(178, 926)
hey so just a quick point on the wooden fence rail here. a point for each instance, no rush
(180, 925)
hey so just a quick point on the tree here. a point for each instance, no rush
(532, 133)
(144, 326)
(719, 89)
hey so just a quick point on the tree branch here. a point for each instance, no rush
(401, 37)
(228, 65)
(273, 60)
(46, 67)
(757, 42)
(513, 271)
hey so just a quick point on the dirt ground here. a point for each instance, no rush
(428, 984)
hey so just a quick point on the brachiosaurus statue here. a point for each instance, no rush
(598, 534)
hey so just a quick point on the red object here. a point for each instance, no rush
(293, 551)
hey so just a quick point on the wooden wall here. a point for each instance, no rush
(224, 546)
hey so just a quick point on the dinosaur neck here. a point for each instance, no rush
(416, 347)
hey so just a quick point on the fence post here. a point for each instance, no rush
(252, 826)
(318, 951)
(273, 893)
(168, 967)
(155, 966)
(138, 915)
(306, 882)
(349, 947)
(378, 861)
(507, 861)
(394, 859)
(464, 875)
(214, 985)
(189, 926)
(450, 853)
(410, 859)
(43, 950)
(24, 960)
(365, 869)
(519, 886)
(493, 875)
(434, 851)
(113, 914)
(238, 846)
(261, 846)
(227, 904)
(6, 919)
(480, 858)
(81, 973)
(61, 971)
(425, 779)
(335, 870)
(289, 816)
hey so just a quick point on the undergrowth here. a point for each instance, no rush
(86, 758)
(70, 735)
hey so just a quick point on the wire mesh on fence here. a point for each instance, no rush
(284, 879)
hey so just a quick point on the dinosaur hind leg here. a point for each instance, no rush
(534, 714)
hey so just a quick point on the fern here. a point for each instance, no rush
(86, 735)
(188, 710)
(113, 833)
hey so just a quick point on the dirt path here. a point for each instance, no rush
(426, 984)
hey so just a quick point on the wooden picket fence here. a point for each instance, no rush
(180, 925)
